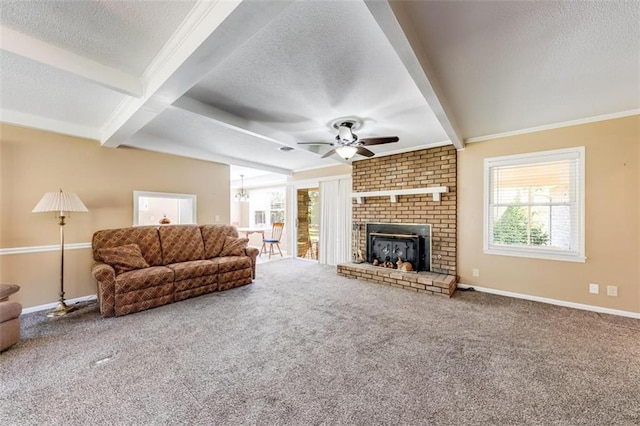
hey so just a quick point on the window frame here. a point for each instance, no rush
(140, 194)
(549, 253)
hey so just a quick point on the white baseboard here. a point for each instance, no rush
(553, 301)
(52, 305)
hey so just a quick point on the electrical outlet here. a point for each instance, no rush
(216, 218)
(476, 272)
(612, 290)
(594, 288)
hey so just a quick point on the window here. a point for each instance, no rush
(277, 207)
(534, 205)
(267, 206)
(149, 208)
(259, 217)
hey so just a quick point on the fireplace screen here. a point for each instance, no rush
(391, 247)
(386, 243)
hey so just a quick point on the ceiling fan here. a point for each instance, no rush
(348, 144)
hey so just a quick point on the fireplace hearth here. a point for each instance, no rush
(389, 242)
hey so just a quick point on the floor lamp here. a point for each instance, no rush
(61, 203)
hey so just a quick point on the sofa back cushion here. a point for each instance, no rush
(181, 243)
(123, 258)
(146, 237)
(214, 237)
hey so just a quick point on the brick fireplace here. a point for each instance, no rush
(428, 168)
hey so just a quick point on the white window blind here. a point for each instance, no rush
(534, 205)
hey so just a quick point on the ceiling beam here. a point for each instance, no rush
(398, 28)
(242, 125)
(209, 35)
(55, 57)
(233, 122)
(169, 146)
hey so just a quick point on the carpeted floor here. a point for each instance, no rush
(304, 346)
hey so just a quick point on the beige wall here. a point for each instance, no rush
(612, 218)
(33, 162)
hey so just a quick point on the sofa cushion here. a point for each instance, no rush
(234, 246)
(143, 278)
(231, 263)
(193, 269)
(213, 237)
(7, 290)
(145, 298)
(124, 258)
(146, 237)
(181, 243)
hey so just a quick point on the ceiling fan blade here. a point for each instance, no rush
(379, 141)
(329, 153)
(315, 143)
(365, 152)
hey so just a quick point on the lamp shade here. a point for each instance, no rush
(59, 202)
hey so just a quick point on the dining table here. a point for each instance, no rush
(249, 231)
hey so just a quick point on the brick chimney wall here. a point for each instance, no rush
(416, 169)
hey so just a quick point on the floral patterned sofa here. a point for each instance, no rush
(144, 267)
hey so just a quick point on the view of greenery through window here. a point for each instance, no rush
(532, 204)
(514, 227)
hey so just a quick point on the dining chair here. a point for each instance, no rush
(276, 234)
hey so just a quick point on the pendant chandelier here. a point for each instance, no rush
(242, 194)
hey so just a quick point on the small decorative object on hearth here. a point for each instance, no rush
(375, 262)
(404, 266)
(165, 220)
(61, 203)
(358, 257)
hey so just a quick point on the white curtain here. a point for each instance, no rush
(335, 221)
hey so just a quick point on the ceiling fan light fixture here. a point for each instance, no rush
(346, 152)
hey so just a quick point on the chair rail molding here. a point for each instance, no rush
(40, 249)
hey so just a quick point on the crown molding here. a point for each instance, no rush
(48, 124)
(558, 125)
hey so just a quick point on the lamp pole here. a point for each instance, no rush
(62, 308)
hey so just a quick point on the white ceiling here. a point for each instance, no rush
(234, 81)
(505, 66)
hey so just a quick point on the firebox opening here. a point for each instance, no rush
(389, 242)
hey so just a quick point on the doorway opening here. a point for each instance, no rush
(308, 223)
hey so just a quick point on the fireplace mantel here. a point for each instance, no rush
(393, 194)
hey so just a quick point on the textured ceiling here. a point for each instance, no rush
(196, 134)
(505, 66)
(122, 34)
(242, 79)
(316, 62)
(33, 88)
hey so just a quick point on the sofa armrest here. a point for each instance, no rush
(9, 311)
(252, 252)
(105, 275)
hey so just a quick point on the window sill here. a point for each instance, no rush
(536, 255)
